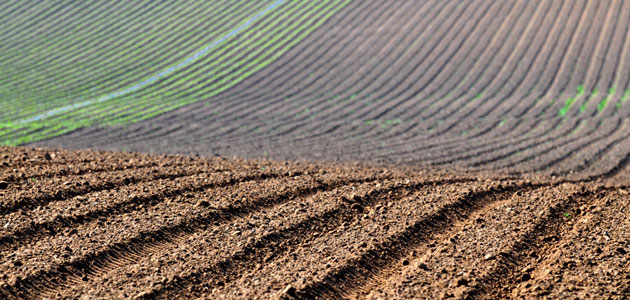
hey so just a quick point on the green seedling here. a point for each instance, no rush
(567, 105)
(150, 52)
(566, 215)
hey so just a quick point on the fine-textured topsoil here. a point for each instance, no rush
(101, 225)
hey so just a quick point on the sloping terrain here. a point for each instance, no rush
(317, 149)
(111, 225)
(527, 86)
(92, 63)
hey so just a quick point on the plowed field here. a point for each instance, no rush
(318, 149)
(510, 86)
(111, 225)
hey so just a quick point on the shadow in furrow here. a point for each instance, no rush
(509, 273)
(358, 272)
(27, 204)
(274, 244)
(39, 230)
(142, 244)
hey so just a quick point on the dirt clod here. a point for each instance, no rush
(292, 236)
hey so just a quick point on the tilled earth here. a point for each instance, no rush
(112, 225)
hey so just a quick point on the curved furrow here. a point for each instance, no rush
(555, 131)
(544, 144)
(499, 70)
(524, 79)
(67, 52)
(538, 94)
(157, 53)
(540, 164)
(358, 271)
(324, 10)
(116, 53)
(604, 71)
(421, 97)
(590, 155)
(559, 82)
(145, 242)
(613, 167)
(470, 154)
(507, 66)
(310, 96)
(275, 243)
(583, 60)
(593, 71)
(32, 17)
(341, 108)
(464, 88)
(611, 67)
(513, 133)
(318, 88)
(301, 51)
(165, 188)
(400, 77)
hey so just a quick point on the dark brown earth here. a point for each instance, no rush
(93, 224)
(403, 150)
(442, 84)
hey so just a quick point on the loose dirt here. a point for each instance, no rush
(91, 224)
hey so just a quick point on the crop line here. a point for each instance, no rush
(116, 57)
(507, 68)
(242, 98)
(436, 48)
(579, 142)
(308, 59)
(160, 75)
(506, 104)
(224, 83)
(318, 94)
(275, 100)
(503, 30)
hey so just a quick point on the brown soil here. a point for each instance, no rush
(111, 225)
(476, 85)
(471, 183)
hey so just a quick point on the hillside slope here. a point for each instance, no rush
(521, 86)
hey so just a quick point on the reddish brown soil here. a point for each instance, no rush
(110, 225)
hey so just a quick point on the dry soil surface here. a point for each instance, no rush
(87, 225)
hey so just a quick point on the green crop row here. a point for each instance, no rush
(567, 105)
(233, 60)
(63, 94)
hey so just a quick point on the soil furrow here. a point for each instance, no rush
(145, 241)
(50, 227)
(342, 281)
(275, 244)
